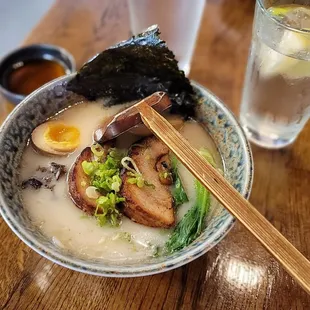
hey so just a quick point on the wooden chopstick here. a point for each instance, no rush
(290, 258)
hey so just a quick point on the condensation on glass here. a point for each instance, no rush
(178, 21)
(276, 97)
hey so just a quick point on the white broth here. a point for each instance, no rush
(57, 216)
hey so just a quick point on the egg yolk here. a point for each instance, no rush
(61, 137)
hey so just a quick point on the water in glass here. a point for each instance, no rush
(276, 97)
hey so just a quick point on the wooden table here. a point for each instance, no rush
(236, 274)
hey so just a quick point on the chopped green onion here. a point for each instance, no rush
(105, 179)
(146, 183)
(91, 192)
(136, 175)
(123, 235)
(106, 210)
(97, 150)
(105, 176)
(89, 167)
(164, 175)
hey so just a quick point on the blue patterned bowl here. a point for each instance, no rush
(49, 99)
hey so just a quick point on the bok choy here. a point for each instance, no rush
(178, 191)
(193, 223)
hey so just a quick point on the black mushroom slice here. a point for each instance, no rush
(57, 170)
(45, 177)
(32, 182)
(78, 182)
(150, 205)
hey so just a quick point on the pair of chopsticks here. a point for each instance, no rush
(287, 255)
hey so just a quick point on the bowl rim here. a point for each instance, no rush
(132, 271)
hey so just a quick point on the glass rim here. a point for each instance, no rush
(276, 21)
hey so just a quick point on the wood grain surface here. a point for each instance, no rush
(238, 273)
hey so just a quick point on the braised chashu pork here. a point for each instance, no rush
(149, 205)
(78, 181)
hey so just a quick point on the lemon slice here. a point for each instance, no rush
(292, 44)
(293, 15)
(274, 63)
(283, 10)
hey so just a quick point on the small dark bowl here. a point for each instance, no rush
(36, 51)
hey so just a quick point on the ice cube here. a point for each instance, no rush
(298, 18)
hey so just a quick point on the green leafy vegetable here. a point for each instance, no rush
(192, 224)
(178, 191)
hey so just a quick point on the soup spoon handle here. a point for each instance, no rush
(290, 258)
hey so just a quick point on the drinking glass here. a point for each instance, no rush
(178, 21)
(276, 97)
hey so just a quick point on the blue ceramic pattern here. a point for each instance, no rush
(53, 97)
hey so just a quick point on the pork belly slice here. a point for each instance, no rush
(150, 205)
(78, 181)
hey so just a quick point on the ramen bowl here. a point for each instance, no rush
(215, 117)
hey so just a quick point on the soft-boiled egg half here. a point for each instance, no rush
(56, 138)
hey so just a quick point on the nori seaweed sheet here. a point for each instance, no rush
(133, 70)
